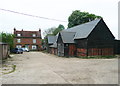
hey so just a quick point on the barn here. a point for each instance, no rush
(66, 44)
(117, 47)
(52, 46)
(89, 39)
(53, 49)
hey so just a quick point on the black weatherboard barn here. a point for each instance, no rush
(89, 39)
(66, 43)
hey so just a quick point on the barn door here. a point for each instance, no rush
(60, 49)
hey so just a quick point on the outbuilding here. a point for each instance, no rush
(89, 39)
(4, 50)
(51, 43)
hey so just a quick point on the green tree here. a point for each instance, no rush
(58, 29)
(49, 31)
(53, 31)
(7, 38)
(77, 17)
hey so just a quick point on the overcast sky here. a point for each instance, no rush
(55, 9)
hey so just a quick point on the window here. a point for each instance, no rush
(18, 40)
(18, 34)
(18, 46)
(27, 46)
(34, 47)
(34, 35)
(34, 40)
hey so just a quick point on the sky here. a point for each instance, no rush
(54, 9)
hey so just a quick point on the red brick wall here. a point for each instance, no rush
(72, 50)
(28, 41)
(103, 51)
(53, 51)
(95, 52)
(81, 52)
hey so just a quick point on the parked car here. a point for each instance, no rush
(17, 50)
(25, 49)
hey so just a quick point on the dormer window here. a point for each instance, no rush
(18, 34)
(34, 35)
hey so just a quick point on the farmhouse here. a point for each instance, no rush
(28, 39)
(4, 50)
(89, 39)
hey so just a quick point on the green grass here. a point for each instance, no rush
(13, 69)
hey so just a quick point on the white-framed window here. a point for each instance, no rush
(18, 40)
(18, 46)
(18, 34)
(34, 47)
(34, 40)
(34, 35)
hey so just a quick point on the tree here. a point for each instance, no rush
(53, 31)
(7, 38)
(77, 17)
(58, 29)
(49, 31)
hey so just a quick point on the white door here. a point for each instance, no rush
(34, 47)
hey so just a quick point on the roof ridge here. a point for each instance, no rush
(85, 23)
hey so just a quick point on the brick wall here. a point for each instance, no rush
(29, 41)
(95, 52)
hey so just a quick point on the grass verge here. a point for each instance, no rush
(13, 69)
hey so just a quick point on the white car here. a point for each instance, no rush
(25, 49)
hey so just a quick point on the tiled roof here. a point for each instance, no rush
(28, 33)
(54, 45)
(83, 30)
(51, 39)
(2, 43)
(67, 37)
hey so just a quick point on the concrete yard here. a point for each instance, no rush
(42, 68)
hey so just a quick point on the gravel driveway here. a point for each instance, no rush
(42, 68)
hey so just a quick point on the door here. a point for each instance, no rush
(61, 49)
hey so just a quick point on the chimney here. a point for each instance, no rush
(39, 30)
(14, 30)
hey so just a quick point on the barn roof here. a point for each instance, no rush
(51, 39)
(67, 37)
(83, 30)
(54, 45)
(2, 43)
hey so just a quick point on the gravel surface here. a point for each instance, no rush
(42, 68)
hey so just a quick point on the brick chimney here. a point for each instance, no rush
(14, 30)
(40, 32)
